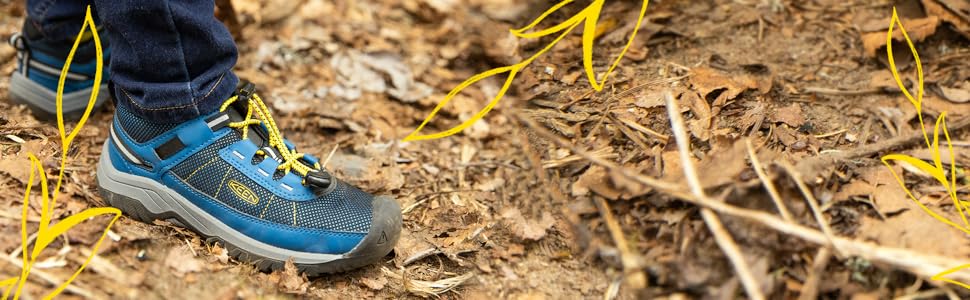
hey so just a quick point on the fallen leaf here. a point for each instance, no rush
(594, 179)
(374, 283)
(376, 73)
(791, 115)
(959, 94)
(955, 12)
(182, 261)
(291, 281)
(729, 163)
(916, 230)
(220, 253)
(707, 80)
(18, 166)
(917, 29)
(527, 229)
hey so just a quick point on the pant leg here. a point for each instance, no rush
(171, 60)
(55, 22)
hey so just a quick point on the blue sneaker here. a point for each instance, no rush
(232, 178)
(39, 64)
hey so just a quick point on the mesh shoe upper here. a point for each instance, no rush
(221, 169)
(343, 208)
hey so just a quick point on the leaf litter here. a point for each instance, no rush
(485, 222)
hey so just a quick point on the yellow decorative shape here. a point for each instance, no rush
(936, 169)
(588, 17)
(46, 232)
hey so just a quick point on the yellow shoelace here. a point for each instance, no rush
(291, 158)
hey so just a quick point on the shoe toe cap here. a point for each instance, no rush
(384, 231)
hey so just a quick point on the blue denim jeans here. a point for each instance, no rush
(170, 60)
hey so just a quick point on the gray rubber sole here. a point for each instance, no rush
(146, 200)
(43, 102)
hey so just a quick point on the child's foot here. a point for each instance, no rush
(232, 178)
(39, 64)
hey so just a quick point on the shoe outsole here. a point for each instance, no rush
(374, 246)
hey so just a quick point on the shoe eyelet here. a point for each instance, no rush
(278, 174)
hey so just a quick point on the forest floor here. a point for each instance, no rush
(550, 196)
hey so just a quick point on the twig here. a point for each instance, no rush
(925, 265)
(812, 202)
(650, 83)
(428, 288)
(329, 156)
(50, 278)
(810, 288)
(813, 167)
(645, 130)
(545, 133)
(633, 136)
(833, 133)
(828, 91)
(721, 235)
(605, 152)
(631, 267)
(770, 187)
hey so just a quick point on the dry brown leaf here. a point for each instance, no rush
(958, 94)
(291, 281)
(883, 80)
(953, 109)
(527, 229)
(374, 283)
(729, 163)
(753, 117)
(18, 166)
(672, 166)
(182, 261)
(879, 183)
(700, 127)
(791, 115)
(220, 253)
(411, 245)
(649, 99)
(950, 11)
(917, 29)
(707, 80)
(595, 180)
(915, 229)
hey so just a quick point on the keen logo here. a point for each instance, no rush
(243, 192)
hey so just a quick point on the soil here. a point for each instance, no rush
(519, 204)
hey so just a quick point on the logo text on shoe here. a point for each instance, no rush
(243, 192)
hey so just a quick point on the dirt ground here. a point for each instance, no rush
(546, 197)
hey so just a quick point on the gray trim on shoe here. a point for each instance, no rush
(54, 71)
(40, 99)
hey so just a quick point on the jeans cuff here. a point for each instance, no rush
(174, 102)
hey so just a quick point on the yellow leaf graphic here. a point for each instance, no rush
(588, 17)
(936, 169)
(511, 70)
(46, 233)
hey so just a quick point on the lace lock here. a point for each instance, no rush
(319, 179)
(246, 91)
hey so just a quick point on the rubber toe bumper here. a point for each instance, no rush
(384, 231)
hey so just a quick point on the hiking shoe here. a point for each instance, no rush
(39, 64)
(232, 178)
